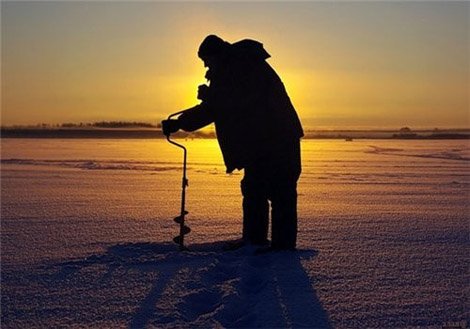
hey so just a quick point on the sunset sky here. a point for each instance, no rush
(345, 64)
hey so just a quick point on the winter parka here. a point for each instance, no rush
(253, 115)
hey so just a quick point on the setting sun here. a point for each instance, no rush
(345, 65)
(318, 178)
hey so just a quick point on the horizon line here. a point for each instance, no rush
(147, 125)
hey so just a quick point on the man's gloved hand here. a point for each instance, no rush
(170, 127)
(203, 92)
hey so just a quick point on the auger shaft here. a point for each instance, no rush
(180, 219)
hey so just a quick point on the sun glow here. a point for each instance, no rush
(341, 65)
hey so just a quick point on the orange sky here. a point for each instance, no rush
(345, 65)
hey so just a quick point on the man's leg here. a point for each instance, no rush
(283, 195)
(255, 206)
(284, 216)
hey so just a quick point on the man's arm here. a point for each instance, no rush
(191, 119)
(195, 118)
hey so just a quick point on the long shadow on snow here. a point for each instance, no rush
(206, 287)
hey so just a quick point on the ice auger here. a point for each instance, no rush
(180, 219)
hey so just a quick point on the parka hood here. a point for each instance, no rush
(251, 49)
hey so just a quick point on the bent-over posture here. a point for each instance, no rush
(258, 130)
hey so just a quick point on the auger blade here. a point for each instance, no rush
(177, 239)
(186, 229)
(179, 219)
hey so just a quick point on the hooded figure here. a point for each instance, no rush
(258, 130)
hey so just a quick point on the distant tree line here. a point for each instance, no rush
(100, 124)
(110, 124)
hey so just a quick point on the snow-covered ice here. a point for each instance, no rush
(86, 229)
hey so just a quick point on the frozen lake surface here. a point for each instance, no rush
(86, 229)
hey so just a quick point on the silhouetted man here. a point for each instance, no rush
(257, 129)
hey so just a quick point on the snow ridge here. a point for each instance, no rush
(459, 154)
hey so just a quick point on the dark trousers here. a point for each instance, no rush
(272, 178)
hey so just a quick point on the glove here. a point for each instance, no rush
(170, 126)
(202, 92)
